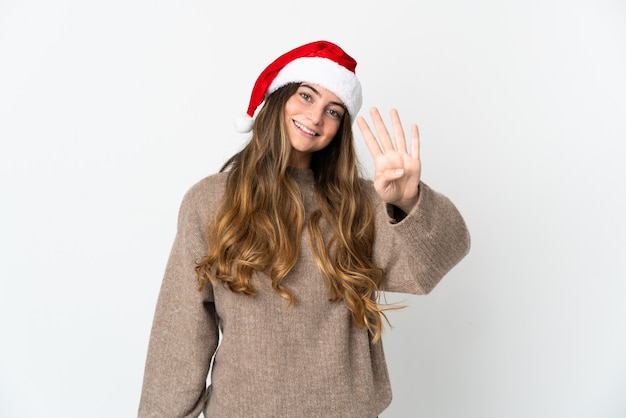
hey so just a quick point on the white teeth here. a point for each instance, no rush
(305, 129)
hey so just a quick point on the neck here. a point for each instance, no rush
(300, 159)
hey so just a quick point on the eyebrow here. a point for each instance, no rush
(319, 95)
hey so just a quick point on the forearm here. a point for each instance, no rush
(417, 250)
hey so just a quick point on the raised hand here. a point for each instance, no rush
(397, 169)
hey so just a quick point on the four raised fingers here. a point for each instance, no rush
(384, 142)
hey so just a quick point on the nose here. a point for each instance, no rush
(315, 114)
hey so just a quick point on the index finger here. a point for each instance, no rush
(368, 136)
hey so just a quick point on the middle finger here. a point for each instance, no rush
(398, 131)
(381, 130)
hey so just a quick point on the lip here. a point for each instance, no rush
(305, 130)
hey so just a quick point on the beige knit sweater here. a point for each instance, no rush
(304, 361)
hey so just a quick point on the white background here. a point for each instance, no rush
(110, 111)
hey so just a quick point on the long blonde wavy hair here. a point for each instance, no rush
(260, 220)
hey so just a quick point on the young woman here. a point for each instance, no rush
(271, 289)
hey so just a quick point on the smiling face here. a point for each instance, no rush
(313, 116)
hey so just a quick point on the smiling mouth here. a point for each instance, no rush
(304, 128)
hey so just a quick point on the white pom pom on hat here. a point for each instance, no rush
(320, 62)
(244, 123)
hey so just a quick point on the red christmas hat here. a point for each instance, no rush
(319, 62)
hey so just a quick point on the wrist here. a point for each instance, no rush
(407, 205)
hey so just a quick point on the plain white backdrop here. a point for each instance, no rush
(110, 111)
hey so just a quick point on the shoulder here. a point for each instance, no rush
(208, 186)
(202, 196)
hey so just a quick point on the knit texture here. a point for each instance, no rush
(308, 360)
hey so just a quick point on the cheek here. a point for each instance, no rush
(287, 113)
(330, 138)
(291, 105)
(333, 128)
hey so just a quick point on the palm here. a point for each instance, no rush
(397, 168)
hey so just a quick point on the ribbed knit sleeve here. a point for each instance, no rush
(419, 250)
(184, 333)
